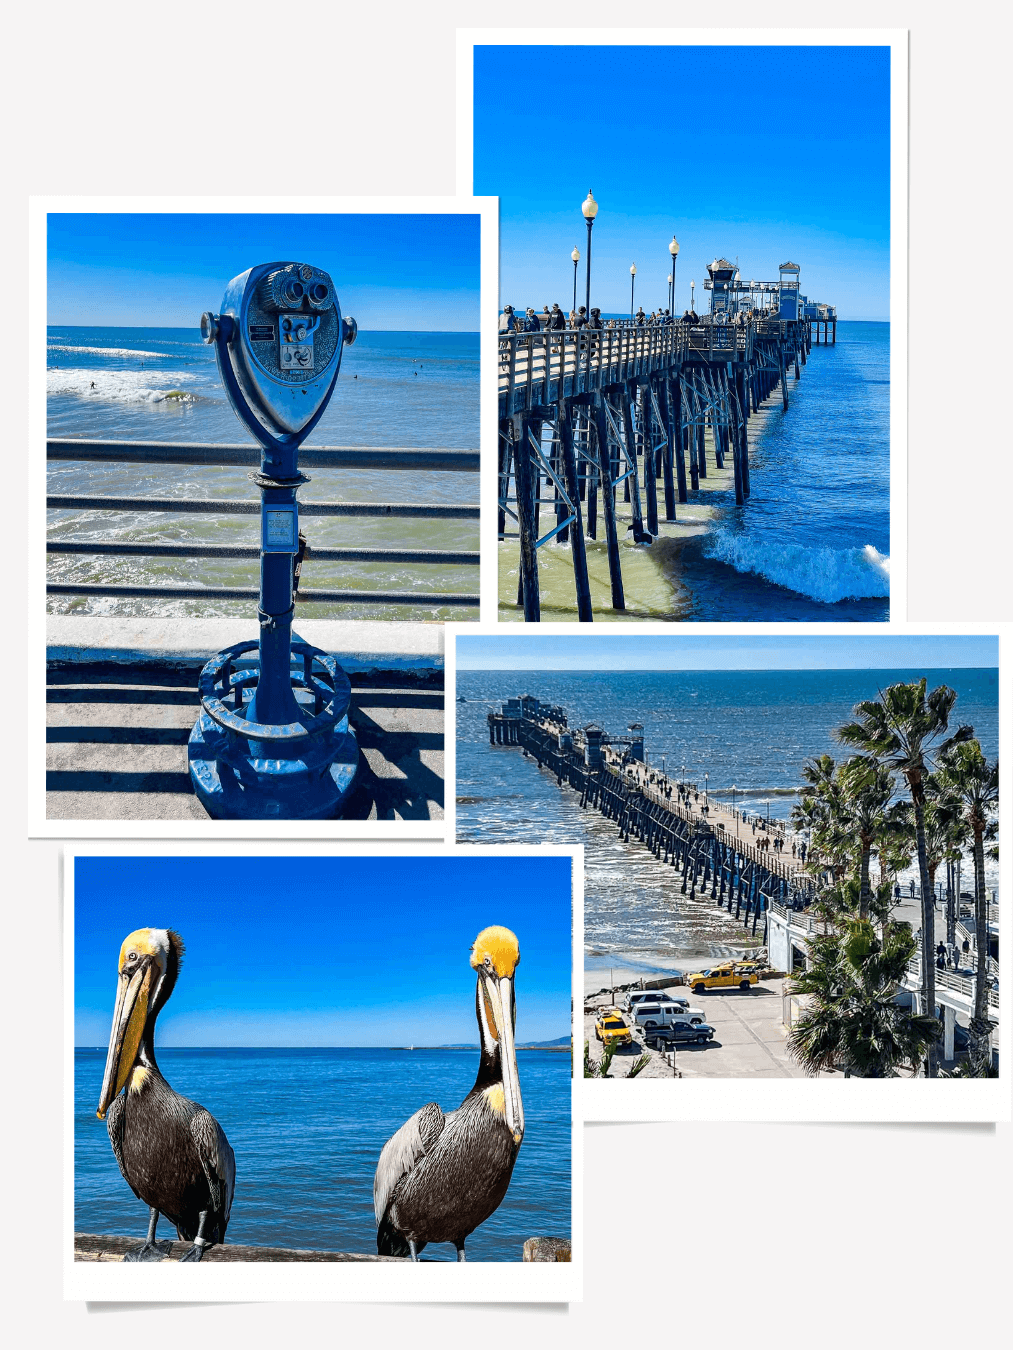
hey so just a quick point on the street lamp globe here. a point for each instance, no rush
(575, 255)
(673, 247)
(633, 269)
(589, 206)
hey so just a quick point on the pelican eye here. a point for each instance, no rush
(488, 963)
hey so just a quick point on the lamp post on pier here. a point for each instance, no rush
(589, 209)
(633, 282)
(692, 295)
(734, 790)
(673, 249)
(706, 797)
(575, 258)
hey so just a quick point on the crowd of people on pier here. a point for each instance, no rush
(554, 319)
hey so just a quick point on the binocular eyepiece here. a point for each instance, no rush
(278, 341)
(296, 287)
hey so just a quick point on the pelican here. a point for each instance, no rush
(441, 1175)
(173, 1154)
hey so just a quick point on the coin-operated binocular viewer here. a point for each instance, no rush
(272, 739)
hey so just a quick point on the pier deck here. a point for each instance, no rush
(716, 853)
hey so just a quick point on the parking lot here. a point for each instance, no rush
(749, 1036)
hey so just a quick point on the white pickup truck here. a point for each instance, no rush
(651, 1015)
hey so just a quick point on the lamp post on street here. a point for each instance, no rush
(673, 249)
(589, 208)
(575, 258)
(633, 282)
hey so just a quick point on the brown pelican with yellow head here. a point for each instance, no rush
(173, 1154)
(441, 1175)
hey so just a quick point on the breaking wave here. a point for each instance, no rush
(121, 386)
(824, 574)
(106, 351)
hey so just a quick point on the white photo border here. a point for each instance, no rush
(259, 1282)
(789, 1099)
(487, 208)
(894, 38)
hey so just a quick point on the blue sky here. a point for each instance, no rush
(405, 272)
(295, 951)
(765, 154)
(634, 652)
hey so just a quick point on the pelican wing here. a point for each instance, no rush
(416, 1137)
(217, 1160)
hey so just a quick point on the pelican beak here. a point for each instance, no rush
(129, 1017)
(501, 1000)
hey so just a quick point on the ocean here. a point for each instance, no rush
(162, 384)
(307, 1127)
(750, 729)
(812, 542)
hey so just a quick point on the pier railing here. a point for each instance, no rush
(542, 367)
(248, 456)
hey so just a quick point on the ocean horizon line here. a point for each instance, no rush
(195, 328)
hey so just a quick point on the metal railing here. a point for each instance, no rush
(248, 456)
(946, 979)
(532, 365)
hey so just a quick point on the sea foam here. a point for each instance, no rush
(824, 574)
(119, 386)
(106, 351)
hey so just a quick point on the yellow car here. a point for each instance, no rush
(611, 1029)
(725, 976)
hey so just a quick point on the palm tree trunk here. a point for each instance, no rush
(928, 919)
(980, 1039)
(864, 893)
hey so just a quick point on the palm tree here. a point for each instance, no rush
(966, 773)
(822, 811)
(853, 1021)
(897, 731)
(867, 796)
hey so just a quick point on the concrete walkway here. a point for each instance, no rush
(122, 699)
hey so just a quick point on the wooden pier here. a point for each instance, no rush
(700, 840)
(585, 411)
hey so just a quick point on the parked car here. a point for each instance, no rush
(611, 1029)
(652, 996)
(725, 976)
(663, 1038)
(648, 1015)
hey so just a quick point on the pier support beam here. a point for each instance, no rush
(577, 548)
(524, 476)
(609, 506)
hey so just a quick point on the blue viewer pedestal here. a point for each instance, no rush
(272, 741)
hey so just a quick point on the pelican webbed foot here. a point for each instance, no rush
(199, 1242)
(150, 1251)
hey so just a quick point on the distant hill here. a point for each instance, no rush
(528, 1045)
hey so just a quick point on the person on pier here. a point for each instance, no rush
(557, 319)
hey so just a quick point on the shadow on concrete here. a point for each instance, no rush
(113, 694)
(117, 735)
(118, 750)
(83, 780)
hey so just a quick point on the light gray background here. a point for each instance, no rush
(777, 1234)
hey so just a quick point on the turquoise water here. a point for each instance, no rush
(753, 729)
(307, 1127)
(162, 384)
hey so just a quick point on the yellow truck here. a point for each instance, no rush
(727, 975)
(611, 1028)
